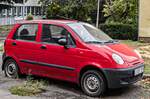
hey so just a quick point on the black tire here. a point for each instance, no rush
(95, 79)
(11, 69)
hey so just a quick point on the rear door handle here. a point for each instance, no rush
(14, 44)
(43, 47)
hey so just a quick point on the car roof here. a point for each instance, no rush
(49, 21)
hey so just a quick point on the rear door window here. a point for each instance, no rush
(26, 32)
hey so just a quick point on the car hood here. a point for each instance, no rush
(123, 50)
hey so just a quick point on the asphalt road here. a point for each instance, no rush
(65, 90)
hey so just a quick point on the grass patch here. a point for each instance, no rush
(145, 83)
(147, 69)
(29, 88)
(4, 30)
(134, 44)
(147, 65)
(1, 48)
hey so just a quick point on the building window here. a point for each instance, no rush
(25, 10)
(3, 12)
(1, 15)
(36, 10)
(32, 10)
(39, 10)
(9, 12)
(19, 11)
(13, 11)
(28, 10)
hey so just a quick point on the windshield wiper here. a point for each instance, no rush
(103, 42)
(94, 42)
(111, 41)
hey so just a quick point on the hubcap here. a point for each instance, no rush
(92, 83)
(11, 69)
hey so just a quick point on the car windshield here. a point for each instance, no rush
(89, 33)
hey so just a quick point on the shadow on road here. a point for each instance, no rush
(74, 88)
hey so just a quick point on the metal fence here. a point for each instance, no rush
(14, 20)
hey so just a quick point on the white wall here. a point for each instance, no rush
(144, 18)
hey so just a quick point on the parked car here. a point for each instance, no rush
(71, 51)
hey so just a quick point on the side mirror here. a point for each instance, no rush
(62, 41)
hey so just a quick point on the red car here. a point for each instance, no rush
(72, 51)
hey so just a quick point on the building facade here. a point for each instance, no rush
(19, 12)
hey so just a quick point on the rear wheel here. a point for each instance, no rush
(93, 83)
(11, 69)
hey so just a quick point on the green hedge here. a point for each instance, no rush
(120, 31)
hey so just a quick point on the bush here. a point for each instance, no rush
(29, 17)
(29, 88)
(120, 31)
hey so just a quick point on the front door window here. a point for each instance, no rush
(52, 34)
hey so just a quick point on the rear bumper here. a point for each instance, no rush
(117, 78)
(3, 58)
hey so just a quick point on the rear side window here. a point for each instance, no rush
(27, 32)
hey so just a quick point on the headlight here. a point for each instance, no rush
(138, 53)
(117, 59)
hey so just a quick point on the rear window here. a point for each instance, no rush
(26, 32)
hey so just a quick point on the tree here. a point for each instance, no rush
(125, 11)
(53, 10)
(71, 9)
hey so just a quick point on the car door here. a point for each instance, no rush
(25, 47)
(58, 61)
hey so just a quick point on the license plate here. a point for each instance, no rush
(138, 71)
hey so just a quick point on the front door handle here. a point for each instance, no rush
(14, 44)
(43, 47)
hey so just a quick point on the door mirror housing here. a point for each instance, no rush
(62, 41)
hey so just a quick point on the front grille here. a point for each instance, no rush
(132, 79)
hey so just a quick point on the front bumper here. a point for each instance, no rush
(117, 78)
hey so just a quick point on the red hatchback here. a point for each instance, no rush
(72, 51)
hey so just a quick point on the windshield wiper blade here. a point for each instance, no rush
(94, 42)
(111, 41)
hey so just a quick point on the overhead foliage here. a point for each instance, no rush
(118, 11)
(73, 9)
(124, 11)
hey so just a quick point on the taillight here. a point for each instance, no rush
(4, 46)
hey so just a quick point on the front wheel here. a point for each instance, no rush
(93, 83)
(11, 68)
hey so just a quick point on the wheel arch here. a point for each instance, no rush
(91, 67)
(5, 59)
